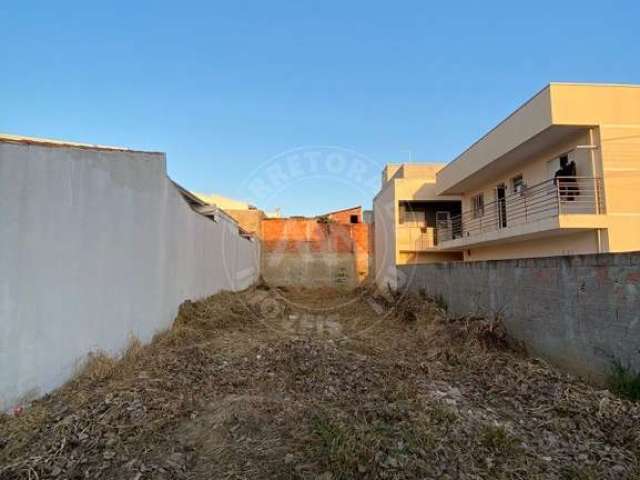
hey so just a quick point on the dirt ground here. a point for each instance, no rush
(322, 384)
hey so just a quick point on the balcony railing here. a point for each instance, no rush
(415, 239)
(559, 196)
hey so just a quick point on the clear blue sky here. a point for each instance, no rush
(224, 86)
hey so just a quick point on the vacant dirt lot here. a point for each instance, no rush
(321, 384)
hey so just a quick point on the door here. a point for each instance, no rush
(443, 226)
(443, 220)
(501, 201)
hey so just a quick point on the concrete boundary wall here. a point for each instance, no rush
(97, 246)
(580, 312)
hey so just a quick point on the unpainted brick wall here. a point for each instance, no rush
(580, 312)
(344, 216)
(309, 252)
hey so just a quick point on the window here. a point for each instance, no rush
(443, 220)
(477, 201)
(412, 215)
(517, 184)
(414, 218)
(354, 218)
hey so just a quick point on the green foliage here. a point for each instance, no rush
(578, 473)
(624, 382)
(496, 438)
(441, 303)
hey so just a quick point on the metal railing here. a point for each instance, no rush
(558, 196)
(415, 239)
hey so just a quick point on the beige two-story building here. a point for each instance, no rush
(407, 212)
(559, 176)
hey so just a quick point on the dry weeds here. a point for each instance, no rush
(236, 390)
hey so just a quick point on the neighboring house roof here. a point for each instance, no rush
(224, 202)
(229, 204)
(202, 207)
(209, 210)
(342, 210)
(191, 198)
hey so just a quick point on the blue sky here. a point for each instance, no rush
(222, 87)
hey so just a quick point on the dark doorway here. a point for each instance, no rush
(501, 193)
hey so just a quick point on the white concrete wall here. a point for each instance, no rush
(96, 246)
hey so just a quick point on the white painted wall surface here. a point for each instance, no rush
(96, 246)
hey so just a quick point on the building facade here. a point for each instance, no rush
(559, 176)
(517, 199)
(407, 211)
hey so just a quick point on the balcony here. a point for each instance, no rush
(555, 204)
(415, 239)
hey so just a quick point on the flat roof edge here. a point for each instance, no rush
(48, 142)
(590, 84)
(503, 121)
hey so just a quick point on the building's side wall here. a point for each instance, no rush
(428, 257)
(576, 104)
(388, 235)
(579, 243)
(385, 213)
(418, 189)
(620, 147)
(535, 170)
(389, 171)
(423, 171)
(538, 168)
(306, 252)
(580, 312)
(95, 247)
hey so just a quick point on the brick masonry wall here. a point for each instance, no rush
(308, 252)
(582, 312)
(344, 216)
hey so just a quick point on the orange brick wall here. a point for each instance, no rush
(362, 235)
(307, 235)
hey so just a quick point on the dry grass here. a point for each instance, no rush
(297, 384)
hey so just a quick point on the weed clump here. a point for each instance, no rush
(441, 302)
(624, 382)
(497, 439)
